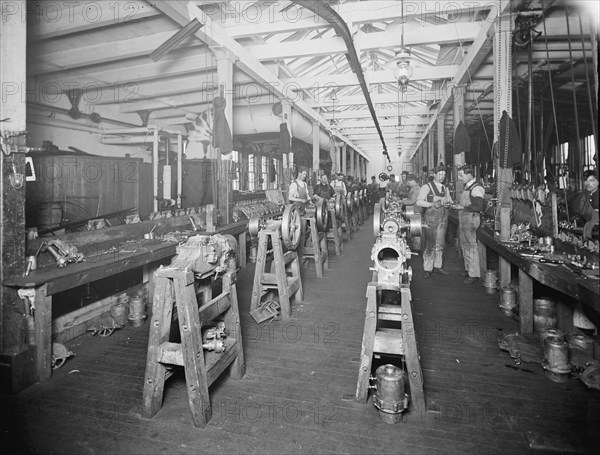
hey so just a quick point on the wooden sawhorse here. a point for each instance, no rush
(176, 286)
(277, 278)
(390, 341)
(335, 233)
(314, 245)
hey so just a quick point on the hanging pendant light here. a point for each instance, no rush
(401, 61)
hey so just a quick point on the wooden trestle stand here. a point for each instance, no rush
(348, 225)
(284, 273)
(205, 359)
(314, 246)
(389, 276)
(335, 208)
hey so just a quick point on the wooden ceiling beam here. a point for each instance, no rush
(49, 20)
(357, 13)
(372, 77)
(388, 98)
(439, 34)
(214, 34)
(475, 56)
(40, 61)
(381, 113)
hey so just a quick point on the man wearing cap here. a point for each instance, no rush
(470, 206)
(373, 191)
(403, 188)
(392, 185)
(413, 190)
(435, 198)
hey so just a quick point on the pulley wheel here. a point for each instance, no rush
(349, 202)
(254, 225)
(291, 226)
(322, 215)
(415, 225)
(356, 198)
(376, 219)
(339, 206)
(409, 210)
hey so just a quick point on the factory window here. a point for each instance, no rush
(235, 157)
(251, 172)
(589, 147)
(265, 173)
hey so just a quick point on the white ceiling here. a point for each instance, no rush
(282, 49)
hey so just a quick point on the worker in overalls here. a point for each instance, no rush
(338, 185)
(298, 190)
(470, 207)
(435, 198)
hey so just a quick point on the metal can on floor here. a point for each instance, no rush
(508, 300)
(544, 314)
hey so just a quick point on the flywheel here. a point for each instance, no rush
(339, 206)
(291, 226)
(254, 225)
(322, 215)
(376, 219)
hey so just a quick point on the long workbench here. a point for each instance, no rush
(129, 252)
(557, 277)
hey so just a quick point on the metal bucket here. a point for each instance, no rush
(49, 215)
(508, 300)
(545, 333)
(544, 314)
(556, 355)
(581, 342)
(490, 281)
(137, 311)
(119, 313)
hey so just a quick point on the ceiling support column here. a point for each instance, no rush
(288, 159)
(352, 157)
(315, 149)
(224, 183)
(503, 102)
(344, 159)
(441, 148)
(458, 96)
(13, 30)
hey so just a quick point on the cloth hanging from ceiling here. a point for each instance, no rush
(221, 131)
(462, 143)
(285, 145)
(509, 143)
(574, 153)
(272, 171)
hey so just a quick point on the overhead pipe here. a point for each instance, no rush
(328, 14)
(260, 118)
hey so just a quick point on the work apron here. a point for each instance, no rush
(435, 237)
(468, 223)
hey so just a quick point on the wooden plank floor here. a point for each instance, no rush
(297, 395)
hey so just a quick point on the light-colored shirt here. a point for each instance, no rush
(339, 187)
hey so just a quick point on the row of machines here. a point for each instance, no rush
(209, 338)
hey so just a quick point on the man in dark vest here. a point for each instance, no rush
(435, 198)
(470, 207)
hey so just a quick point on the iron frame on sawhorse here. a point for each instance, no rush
(335, 233)
(317, 250)
(348, 227)
(390, 341)
(174, 286)
(286, 286)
